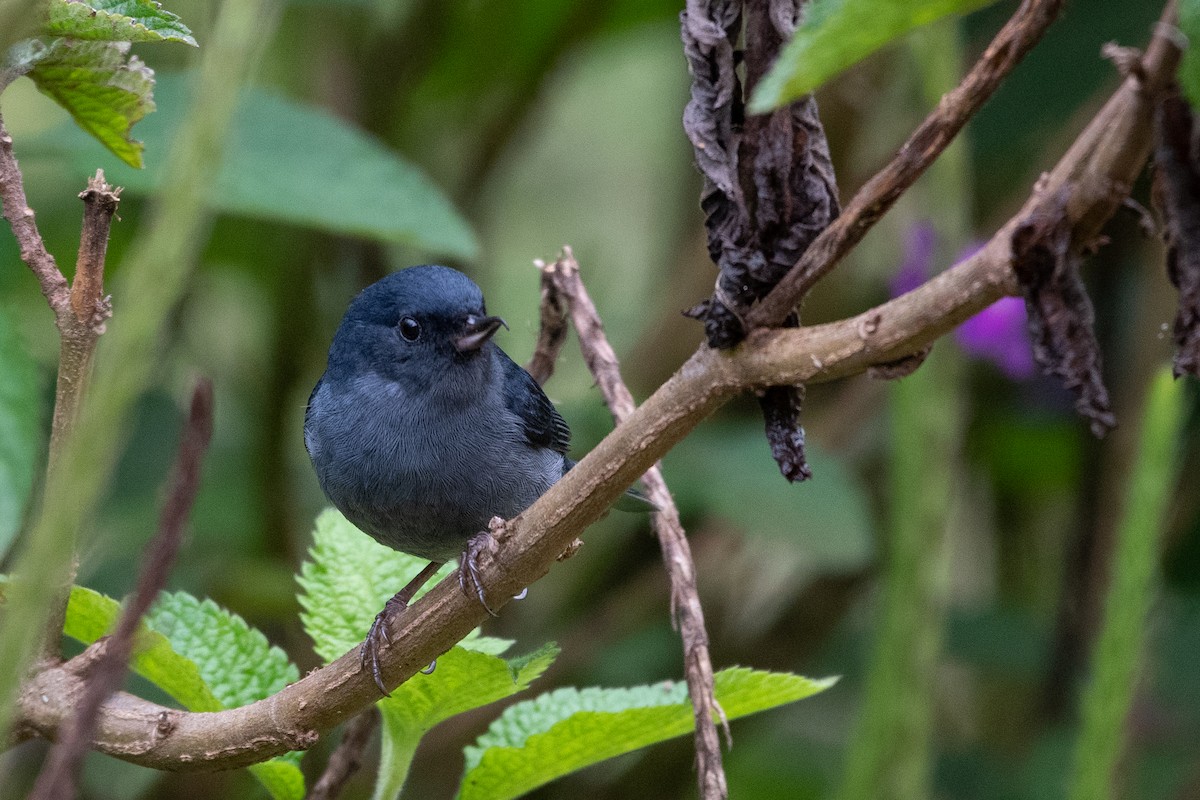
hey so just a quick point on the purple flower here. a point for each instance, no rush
(919, 248)
(997, 334)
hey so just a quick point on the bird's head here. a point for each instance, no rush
(414, 325)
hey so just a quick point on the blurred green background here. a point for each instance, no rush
(550, 122)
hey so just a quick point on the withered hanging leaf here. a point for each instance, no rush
(1060, 312)
(769, 186)
(781, 415)
(1177, 195)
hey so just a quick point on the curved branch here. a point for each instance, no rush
(1100, 167)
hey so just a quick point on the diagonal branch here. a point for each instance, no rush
(687, 614)
(102, 667)
(1099, 166)
(1015, 39)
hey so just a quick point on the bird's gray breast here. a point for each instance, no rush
(418, 474)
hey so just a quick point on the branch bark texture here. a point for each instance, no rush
(1099, 167)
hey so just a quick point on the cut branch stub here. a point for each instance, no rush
(1177, 195)
(769, 186)
(1060, 312)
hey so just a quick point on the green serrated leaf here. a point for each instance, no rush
(20, 429)
(235, 660)
(104, 88)
(536, 741)
(91, 615)
(294, 163)
(116, 21)
(344, 586)
(204, 657)
(348, 579)
(838, 33)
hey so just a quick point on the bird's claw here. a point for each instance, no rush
(369, 650)
(470, 580)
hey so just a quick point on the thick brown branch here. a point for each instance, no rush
(1015, 39)
(102, 667)
(1099, 166)
(686, 611)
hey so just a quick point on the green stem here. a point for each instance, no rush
(397, 748)
(890, 754)
(1131, 590)
(152, 282)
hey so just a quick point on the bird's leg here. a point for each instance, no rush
(379, 628)
(469, 578)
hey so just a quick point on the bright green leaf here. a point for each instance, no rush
(1189, 70)
(838, 33)
(348, 579)
(104, 88)
(116, 21)
(462, 680)
(344, 586)
(293, 163)
(235, 660)
(91, 615)
(20, 429)
(536, 741)
(204, 657)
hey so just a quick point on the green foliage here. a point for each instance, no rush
(105, 89)
(1189, 70)
(298, 164)
(235, 660)
(719, 466)
(344, 585)
(20, 429)
(536, 741)
(838, 33)
(204, 657)
(1132, 587)
(84, 64)
(116, 21)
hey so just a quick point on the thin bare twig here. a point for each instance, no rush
(20, 217)
(1018, 36)
(1112, 147)
(102, 666)
(687, 615)
(346, 758)
(552, 330)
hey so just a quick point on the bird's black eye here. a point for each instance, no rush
(410, 329)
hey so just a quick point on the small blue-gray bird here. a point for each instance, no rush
(422, 429)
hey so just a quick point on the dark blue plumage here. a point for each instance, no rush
(422, 429)
(420, 443)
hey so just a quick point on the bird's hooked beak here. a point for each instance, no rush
(476, 331)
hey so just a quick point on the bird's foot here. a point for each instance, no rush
(369, 650)
(470, 580)
(378, 633)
